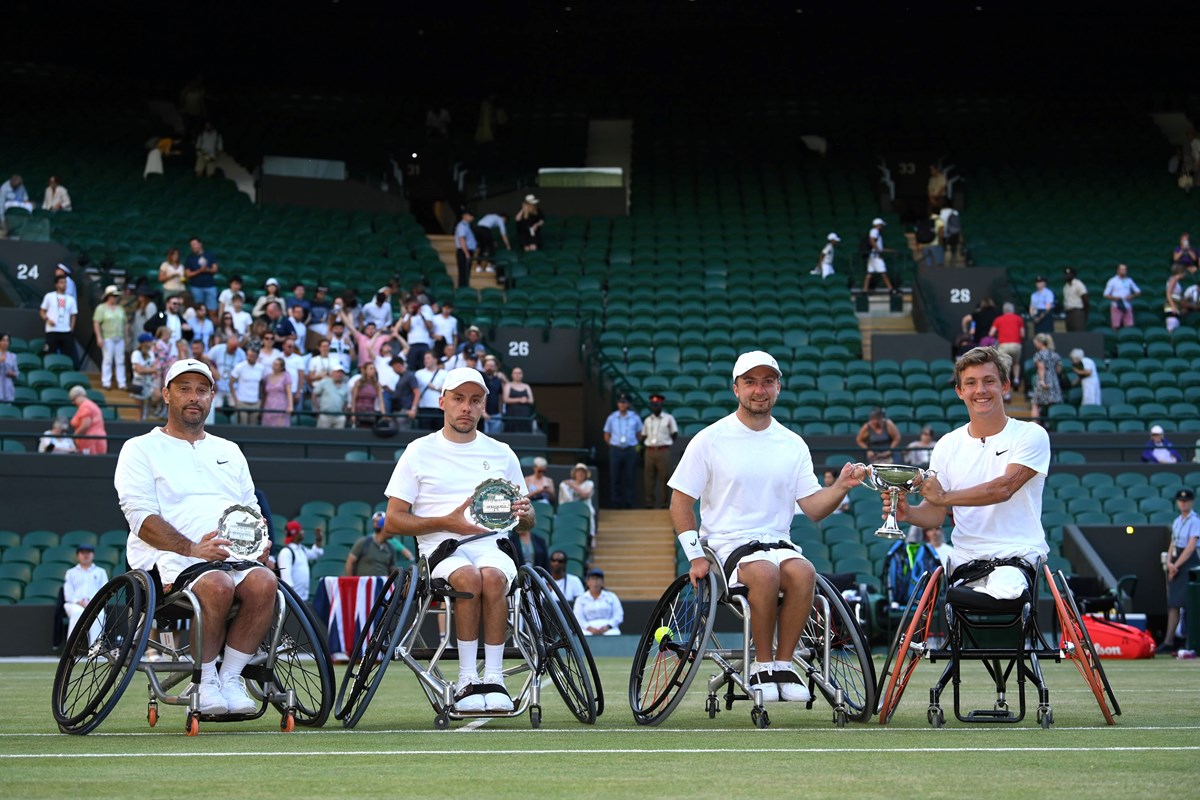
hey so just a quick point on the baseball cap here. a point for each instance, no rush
(1156, 429)
(85, 546)
(111, 289)
(1185, 494)
(187, 365)
(377, 520)
(271, 282)
(1040, 279)
(878, 221)
(145, 337)
(833, 237)
(293, 527)
(755, 358)
(532, 199)
(460, 375)
(595, 572)
(622, 398)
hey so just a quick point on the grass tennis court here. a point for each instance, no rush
(1154, 751)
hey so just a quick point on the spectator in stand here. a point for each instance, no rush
(533, 548)
(931, 250)
(319, 311)
(225, 298)
(145, 374)
(878, 437)
(209, 147)
(936, 538)
(80, 585)
(9, 370)
(825, 260)
(486, 230)
(64, 270)
(56, 198)
(952, 235)
(1173, 309)
(331, 398)
(366, 398)
(239, 317)
(570, 585)
(829, 478)
(88, 422)
(301, 329)
(277, 396)
(226, 356)
(580, 488)
(245, 384)
(978, 324)
(875, 263)
(473, 342)
(621, 431)
(379, 310)
(200, 270)
(1089, 380)
(445, 328)
(14, 195)
(1184, 255)
(598, 610)
(1182, 558)
(1075, 302)
(518, 403)
(1191, 293)
(493, 411)
(426, 408)
(1048, 389)
(170, 274)
(529, 221)
(1120, 292)
(541, 485)
(1159, 449)
(201, 323)
(917, 452)
(296, 366)
(298, 298)
(659, 430)
(1041, 307)
(268, 351)
(466, 247)
(416, 326)
(373, 554)
(403, 393)
(1009, 332)
(320, 364)
(294, 558)
(58, 312)
(58, 439)
(368, 342)
(270, 293)
(277, 323)
(108, 325)
(936, 187)
(341, 344)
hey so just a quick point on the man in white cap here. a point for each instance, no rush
(428, 497)
(173, 485)
(875, 262)
(749, 471)
(108, 323)
(824, 266)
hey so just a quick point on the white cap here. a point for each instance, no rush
(833, 237)
(755, 358)
(271, 282)
(1156, 429)
(187, 365)
(111, 289)
(531, 199)
(877, 221)
(460, 375)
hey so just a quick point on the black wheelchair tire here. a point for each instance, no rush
(851, 668)
(314, 687)
(563, 648)
(374, 646)
(569, 615)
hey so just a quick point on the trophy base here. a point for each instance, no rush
(890, 533)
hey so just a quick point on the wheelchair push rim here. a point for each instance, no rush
(572, 624)
(563, 647)
(92, 676)
(302, 663)
(663, 670)
(905, 652)
(1081, 651)
(374, 646)
(850, 666)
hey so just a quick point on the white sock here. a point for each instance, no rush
(235, 661)
(208, 671)
(784, 665)
(493, 659)
(468, 656)
(761, 665)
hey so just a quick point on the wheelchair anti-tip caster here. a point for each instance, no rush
(760, 718)
(840, 717)
(152, 713)
(936, 717)
(712, 706)
(191, 725)
(441, 721)
(1045, 718)
(287, 722)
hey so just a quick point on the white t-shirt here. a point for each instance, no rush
(293, 566)
(445, 328)
(436, 475)
(188, 485)
(143, 360)
(418, 333)
(429, 384)
(59, 309)
(827, 260)
(225, 298)
(294, 365)
(1003, 530)
(747, 481)
(249, 377)
(380, 314)
(571, 587)
(241, 321)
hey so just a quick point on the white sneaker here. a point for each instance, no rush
(497, 701)
(237, 697)
(791, 688)
(479, 270)
(212, 701)
(761, 677)
(471, 703)
(490, 268)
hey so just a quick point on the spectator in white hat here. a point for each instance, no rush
(824, 266)
(529, 222)
(1159, 449)
(875, 262)
(108, 323)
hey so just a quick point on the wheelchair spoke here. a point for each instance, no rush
(564, 645)
(1077, 645)
(850, 665)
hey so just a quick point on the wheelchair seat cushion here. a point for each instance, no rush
(968, 599)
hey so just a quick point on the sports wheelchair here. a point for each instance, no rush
(290, 671)
(543, 635)
(1004, 635)
(833, 655)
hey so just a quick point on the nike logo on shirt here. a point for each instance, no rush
(1001, 452)
(226, 461)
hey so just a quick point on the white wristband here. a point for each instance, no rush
(690, 541)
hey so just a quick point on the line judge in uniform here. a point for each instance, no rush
(658, 434)
(621, 432)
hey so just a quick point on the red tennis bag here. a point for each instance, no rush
(1118, 640)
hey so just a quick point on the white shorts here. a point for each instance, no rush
(480, 553)
(776, 557)
(876, 264)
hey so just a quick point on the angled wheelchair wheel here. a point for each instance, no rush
(1078, 647)
(375, 644)
(564, 646)
(850, 665)
(94, 672)
(569, 615)
(909, 644)
(664, 668)
(302, 663)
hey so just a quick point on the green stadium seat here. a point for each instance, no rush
(42, 539)
(10, 592)
(22, 554)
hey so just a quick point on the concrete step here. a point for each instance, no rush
(115, 397)
(636, 550)
(444, 245)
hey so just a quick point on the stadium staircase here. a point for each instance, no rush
(636, 550)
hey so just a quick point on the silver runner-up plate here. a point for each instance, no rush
(246, 531)
(492, 505)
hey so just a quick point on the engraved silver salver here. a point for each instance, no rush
(492, 504)
(246, 531)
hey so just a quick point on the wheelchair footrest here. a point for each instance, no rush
(451, 653)
(991, 715)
